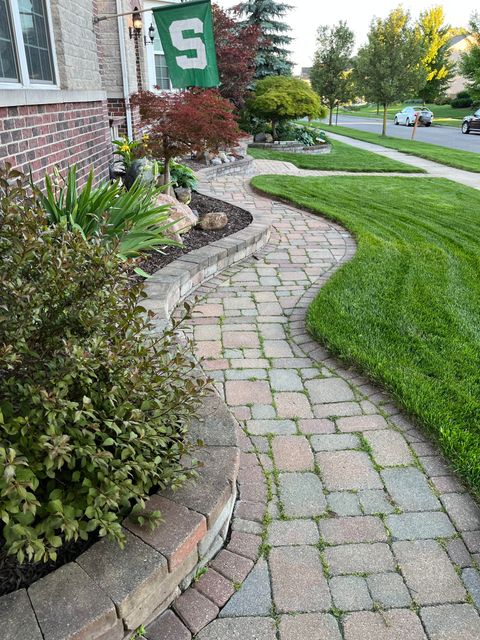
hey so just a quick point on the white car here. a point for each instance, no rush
(408, 115)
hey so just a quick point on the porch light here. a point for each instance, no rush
(136, 29)
(151, 33)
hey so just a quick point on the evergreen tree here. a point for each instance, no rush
(273, 54)
(330, 76)
(436, 36)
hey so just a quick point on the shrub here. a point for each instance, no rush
(280, 98)
(462, 100)
(110, 212)
(93, 407)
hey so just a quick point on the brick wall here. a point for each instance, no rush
(42, 136)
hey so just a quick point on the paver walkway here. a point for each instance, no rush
(367, 533)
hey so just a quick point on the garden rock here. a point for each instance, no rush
(223, 157)
(213, 220)
(216, 161)
(184, 195)
(180, 213)
(142, 167)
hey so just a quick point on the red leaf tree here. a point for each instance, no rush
(193, 120)
(236, 46)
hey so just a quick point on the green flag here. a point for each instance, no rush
(186, 32)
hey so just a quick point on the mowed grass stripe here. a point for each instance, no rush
(343, 157)
(466, 160)
(406, 309)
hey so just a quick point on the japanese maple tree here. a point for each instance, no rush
(237, 46)
(178, 123)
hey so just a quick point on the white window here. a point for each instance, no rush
(26, 44)
(162, 79)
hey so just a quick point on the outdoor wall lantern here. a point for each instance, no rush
(136, 29)
(151, 34)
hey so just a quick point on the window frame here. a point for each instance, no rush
(24, 81)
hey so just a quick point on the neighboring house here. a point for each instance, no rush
(65, 79)
(457, 46)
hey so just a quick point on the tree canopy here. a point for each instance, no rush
(279, 98)
(390, 65)
(435, 35)
(272, 55)
(236, 46)
(330, 76)
(470, 61)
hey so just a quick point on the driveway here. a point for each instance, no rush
(445, 136)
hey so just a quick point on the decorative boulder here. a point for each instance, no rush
(223, 157)
(184, 195)
(268, 137)
(213, 221)
(216, 161)
(180, 213)
(141, 167)
(260, 137)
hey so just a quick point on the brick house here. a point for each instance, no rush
(65, 79)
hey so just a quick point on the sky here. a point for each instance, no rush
(308, 15)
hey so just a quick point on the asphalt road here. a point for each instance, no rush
(445, 136)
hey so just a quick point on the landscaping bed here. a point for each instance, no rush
(195, 238)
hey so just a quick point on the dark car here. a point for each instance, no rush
(471, 123)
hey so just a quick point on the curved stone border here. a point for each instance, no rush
(168, 286)
(105, 594)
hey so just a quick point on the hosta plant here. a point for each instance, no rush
(94, 406)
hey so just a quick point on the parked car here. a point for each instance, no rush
(408, 115)
(471, 123)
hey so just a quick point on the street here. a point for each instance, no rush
(445, 136)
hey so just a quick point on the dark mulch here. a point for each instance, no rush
(15, 576)
(237, 219)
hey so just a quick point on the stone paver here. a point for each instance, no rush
(309, 626)
(428, 572)
(389, 590)
(292, 453)
(298, 582)
(410, 490)
(302, 495)
(420, 526)
(397, 624)
(254, 597)
(348, 470)
(451, 622)
(351, 515)
(350, 593)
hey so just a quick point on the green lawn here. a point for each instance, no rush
(466, 160)
(406, 309)
(443, 113)
(343, 157)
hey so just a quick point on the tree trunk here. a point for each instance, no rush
(166, 175)
(274, 130)
(378, 108)
(330, 116)
(384, 127)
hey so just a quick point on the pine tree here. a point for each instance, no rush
(273, 54)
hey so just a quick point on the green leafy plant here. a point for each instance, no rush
(131, 218)
(94, 407)
(129, 150)
(182, 176)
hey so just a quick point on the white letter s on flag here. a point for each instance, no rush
(188, 44)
